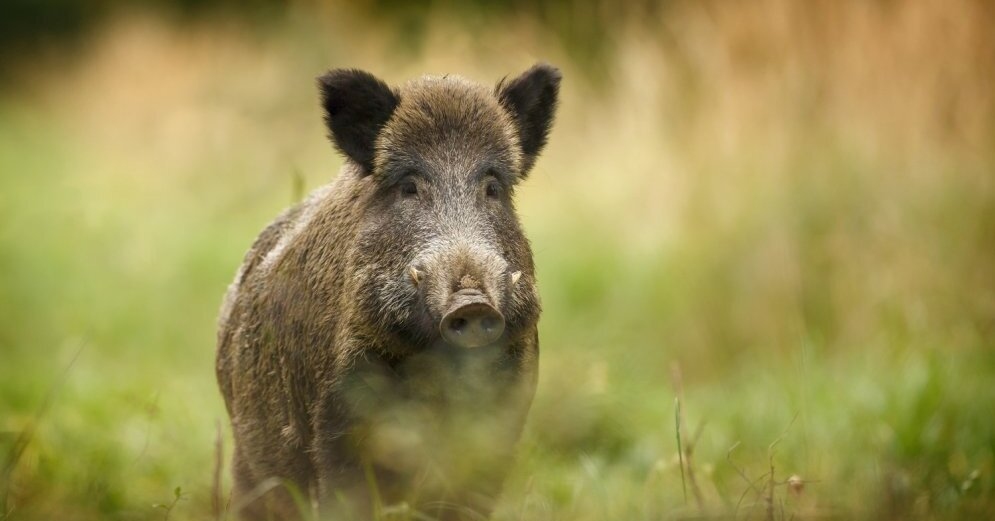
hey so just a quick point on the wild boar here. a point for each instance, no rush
(379, 344)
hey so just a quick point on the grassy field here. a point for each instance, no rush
(782, 216)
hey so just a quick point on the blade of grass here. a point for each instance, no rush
(680, 450)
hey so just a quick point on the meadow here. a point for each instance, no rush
(778, 215)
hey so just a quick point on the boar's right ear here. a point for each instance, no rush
(531, 100)
(357, 106)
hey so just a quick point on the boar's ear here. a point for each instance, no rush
(357, 105)
(531, 100)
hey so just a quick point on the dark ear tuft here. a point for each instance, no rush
(531, 100)
(357, 105)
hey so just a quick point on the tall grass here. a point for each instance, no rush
(793, 202)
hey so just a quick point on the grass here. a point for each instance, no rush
(789, 228)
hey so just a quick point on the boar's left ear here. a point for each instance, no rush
(357, 106)
(531, 101)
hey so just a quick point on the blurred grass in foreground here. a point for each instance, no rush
(791, 204)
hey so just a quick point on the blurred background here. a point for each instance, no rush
(779, 213)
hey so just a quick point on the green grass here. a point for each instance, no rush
(826, 297)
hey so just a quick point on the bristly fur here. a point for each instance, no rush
(531, 99)
(357, 105)
(330, 353)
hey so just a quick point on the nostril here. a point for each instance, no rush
(489, 324)
(458, 324)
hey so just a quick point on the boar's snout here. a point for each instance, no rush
(471, 321)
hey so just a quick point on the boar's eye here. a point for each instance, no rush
(408, 188)
(493, 189)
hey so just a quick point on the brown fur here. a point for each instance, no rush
(329, 357)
